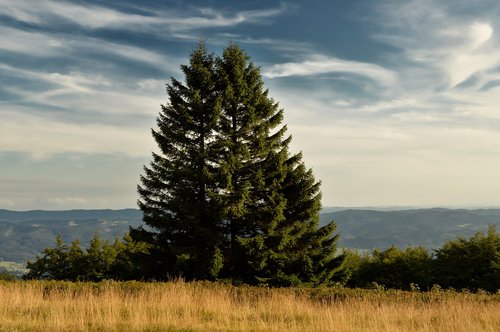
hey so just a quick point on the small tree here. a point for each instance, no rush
(129, 263)
(96, 264)
(54, 264)
(392, 268)
(470, 263)
(121, 260)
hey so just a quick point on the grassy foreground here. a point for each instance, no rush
(204, 306)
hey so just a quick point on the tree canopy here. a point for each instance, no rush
(120, 260)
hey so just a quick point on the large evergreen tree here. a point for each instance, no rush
(177, 194)
(225, 199)
(272, 202)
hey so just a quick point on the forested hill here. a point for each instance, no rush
(368, 229)
(7, 215)
(24, 234)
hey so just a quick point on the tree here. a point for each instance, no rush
(129, 259)
(393, 268)
(54, 263)
(121, 260)
(225, 199)
(470, 263)
(272, 200)
(310, 251)
(252, 166)
(96, 264)
(178, 190)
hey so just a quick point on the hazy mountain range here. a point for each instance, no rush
(25, 234)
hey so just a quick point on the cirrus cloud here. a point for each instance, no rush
(318, 64)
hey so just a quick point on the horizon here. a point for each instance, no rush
(323, 210)
(393, 104)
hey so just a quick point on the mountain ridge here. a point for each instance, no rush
(23, 234)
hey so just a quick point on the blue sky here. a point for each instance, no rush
(393, 103)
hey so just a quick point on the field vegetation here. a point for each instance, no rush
(207, 306)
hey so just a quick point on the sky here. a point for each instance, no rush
(393, 103)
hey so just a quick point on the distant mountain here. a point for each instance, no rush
(7, 215)
(25, 234)
(368, 229)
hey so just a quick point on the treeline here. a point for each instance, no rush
(101, 260)
(472, 264)
(462, 263)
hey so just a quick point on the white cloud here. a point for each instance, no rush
(475, 54)
(41, 45)
(48, 45)
(42, 137)
(452, 47)
(88, 92)
(430, 138)
(480, 33)
(317, 64)
(46, 12)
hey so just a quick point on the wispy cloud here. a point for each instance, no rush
(318, 64)
(81, 84)
(438, 37)
(475, 55)
(42, 44)
(47, 12)
(42, 137)
(38, 44)
(91, 93)
(437, 125)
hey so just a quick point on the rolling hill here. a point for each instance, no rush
(25, 234)
(369, 229)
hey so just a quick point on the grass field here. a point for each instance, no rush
(204, 306)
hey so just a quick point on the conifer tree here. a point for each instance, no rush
(272, 200)
(177, 191)
(53, 264)
(252, 164)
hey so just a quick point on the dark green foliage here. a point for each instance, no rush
(472, 263)
(54, 264)
(130, 259)
(178, 190)
(225, 199)
(100, 261)
(392, 268)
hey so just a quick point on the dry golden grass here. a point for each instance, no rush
(203, 306)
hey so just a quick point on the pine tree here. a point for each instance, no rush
(272, 200)
(251, 163)
(177, 194)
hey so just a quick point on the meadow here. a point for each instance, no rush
(206, 306)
